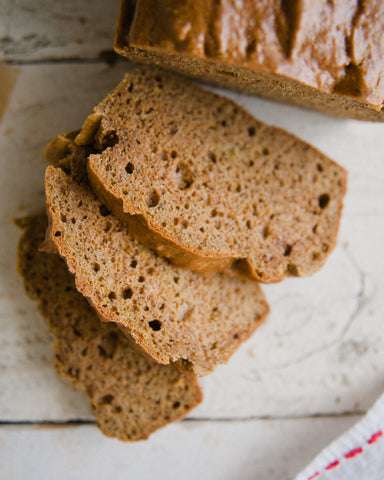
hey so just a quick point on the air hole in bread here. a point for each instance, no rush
(106, 399)
(212, 157)
(104, 212)
(265, 232)
(57, 234)
(173, 154)
(107, 226)
(108, 345)
(251, 131)
(265, 151)
(133, 264)
(287, 250)
(153, 199)
(112, 295)
(155, 325)
(63, 218)
(110, 139)
(176, 405)
(127, 293)
(141, 279)
(117, 409)
(73, 372)
(183, 176)
(96, 267)
(324, 200)
(77, 332)
(292, 270)
(129, 168)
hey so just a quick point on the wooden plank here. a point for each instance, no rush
(46, 30)
(321, 350)
(262, 450)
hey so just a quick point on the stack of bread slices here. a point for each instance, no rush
(164, 212)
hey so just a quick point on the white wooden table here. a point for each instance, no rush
(306, 376)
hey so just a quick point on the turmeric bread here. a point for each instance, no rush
(204, 184)
(131, 396)
(174, 315)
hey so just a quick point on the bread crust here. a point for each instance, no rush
(278, 50)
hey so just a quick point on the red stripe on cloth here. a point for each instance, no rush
(353, 453)
(375, 437)
(332, 465)
(350, 454)
(314, 476)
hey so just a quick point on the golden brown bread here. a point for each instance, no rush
(131, 396)
(318, 54)
(174, 315)
(206, 185)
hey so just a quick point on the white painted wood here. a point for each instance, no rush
(322, 349)
(50, 30)
(246, 450)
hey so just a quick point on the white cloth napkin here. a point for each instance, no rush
(356, 455)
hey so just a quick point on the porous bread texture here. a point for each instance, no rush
(131, 396)
(174, 315)
(322, 55)
(209, 187)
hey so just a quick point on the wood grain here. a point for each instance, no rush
(245, 450)
(46, 30)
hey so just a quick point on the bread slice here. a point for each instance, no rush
(174, 315)
(328, 56)
(204, 184)
(131, 396)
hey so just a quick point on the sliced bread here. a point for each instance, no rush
(131, 396)
(174, 315)
(204, 184)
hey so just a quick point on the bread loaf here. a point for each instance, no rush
(206, 185)
(323, 55)
(174, 315)
(131, 396)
